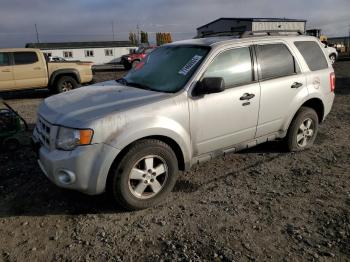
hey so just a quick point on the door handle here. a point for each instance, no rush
(37, 68)
(296, 85)
(246, 96)
(6, 70)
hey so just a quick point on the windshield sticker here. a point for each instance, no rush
(187, 68)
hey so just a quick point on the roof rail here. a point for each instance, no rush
(245, 34)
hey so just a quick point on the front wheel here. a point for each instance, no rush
(303, 130)
(144, 176)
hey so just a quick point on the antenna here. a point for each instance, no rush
(37, 34)
(113, 30)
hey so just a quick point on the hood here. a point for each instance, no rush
(78, 107)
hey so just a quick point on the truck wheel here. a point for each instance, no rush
(144, 176)
(66, 83)
(303, 130)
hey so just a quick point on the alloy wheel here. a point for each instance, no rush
(305, 132)
(148, 177)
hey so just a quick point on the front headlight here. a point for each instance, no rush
(69, 138)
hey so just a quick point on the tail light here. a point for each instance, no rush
(332, 81)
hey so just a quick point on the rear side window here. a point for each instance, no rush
(276, 61)
(23, 58)
(4, 59)
(312, 54)
(234, 66)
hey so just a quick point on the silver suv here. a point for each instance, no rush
(187, 102)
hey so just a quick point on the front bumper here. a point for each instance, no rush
(84, 169)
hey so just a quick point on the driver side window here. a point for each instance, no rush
(234, 66)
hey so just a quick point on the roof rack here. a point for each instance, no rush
(245, 34)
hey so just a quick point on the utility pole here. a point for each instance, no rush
(113, 30)
(349, 41)
(138, 33)
(37, 34)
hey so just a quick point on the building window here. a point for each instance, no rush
(89, 53)
(67, 54)
(108, 52)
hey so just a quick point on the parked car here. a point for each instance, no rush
(189, 102)
(331, 51)
(56, 59)
(24, 68)
(131, 60)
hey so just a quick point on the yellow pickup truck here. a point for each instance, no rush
(25, 68)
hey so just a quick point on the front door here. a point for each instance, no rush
(7, 81)
(221, 120)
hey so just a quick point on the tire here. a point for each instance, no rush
(134, 63)
(303, 130)
(127, 66)
(65, 83)
(333, 58)
(150, 182)
(11, 144)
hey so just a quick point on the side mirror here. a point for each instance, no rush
(209, 85)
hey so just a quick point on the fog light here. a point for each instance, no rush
(66, 177)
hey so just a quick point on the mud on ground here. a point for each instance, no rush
(257, 205)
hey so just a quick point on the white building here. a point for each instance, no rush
(240, 25)
(102, 52)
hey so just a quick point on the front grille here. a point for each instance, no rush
(44, 130)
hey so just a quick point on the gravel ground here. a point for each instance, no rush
(257, 205)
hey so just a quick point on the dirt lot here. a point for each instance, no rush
(260, 204)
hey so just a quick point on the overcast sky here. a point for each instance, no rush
(83, 20)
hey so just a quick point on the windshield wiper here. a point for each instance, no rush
(138, 85)
(123, 81)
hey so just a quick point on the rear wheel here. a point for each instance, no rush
(332, 57)
(303, 130)
(65, 84)
(144, 176)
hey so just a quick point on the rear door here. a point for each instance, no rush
(318, 76)
(282, 84)
(6, 72)
(29, 70)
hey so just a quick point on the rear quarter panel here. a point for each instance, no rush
(84, 69)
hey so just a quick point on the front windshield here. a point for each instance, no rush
(167, 69)
(139, 50)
